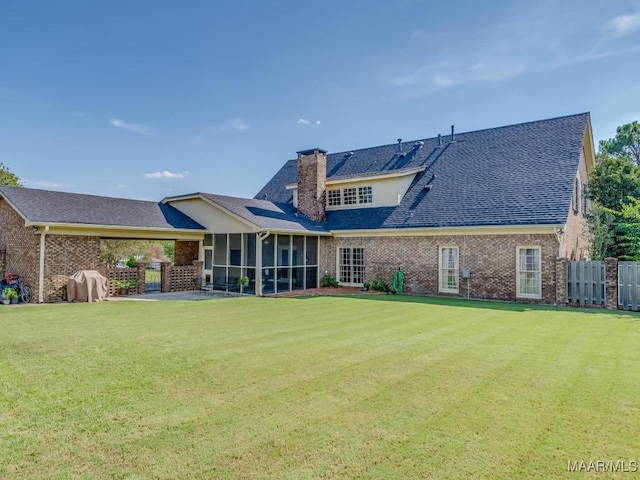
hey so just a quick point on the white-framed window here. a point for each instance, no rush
(365, 195)
(529, 272)
(351, 265)
(350, 196)
(335, 198)
(449, 270)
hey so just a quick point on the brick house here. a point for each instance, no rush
(484, 214)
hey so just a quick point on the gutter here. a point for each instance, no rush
(41, 276)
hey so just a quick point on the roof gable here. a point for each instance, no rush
(515, 175)
(49, 207)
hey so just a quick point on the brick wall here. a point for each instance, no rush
(312, 185)
(186, 252)
(64, 256)
(490, 258)
(21, 245)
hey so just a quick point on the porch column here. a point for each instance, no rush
(141, 276)
(165, 275)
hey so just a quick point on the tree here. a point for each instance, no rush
(602, 228)
(626, 143)
(8, 178)
(613, 181)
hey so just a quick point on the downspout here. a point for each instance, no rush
(41, 277)
(261, 237)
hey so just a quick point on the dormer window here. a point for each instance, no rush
(350, 196)
(365, 195)
(335, 198)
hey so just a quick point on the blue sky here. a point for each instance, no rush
(147, 99)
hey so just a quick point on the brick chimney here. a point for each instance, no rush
(312, 183)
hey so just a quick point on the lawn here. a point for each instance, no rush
(382, 387)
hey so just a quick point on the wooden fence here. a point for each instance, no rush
(628, 285)
(586, 282)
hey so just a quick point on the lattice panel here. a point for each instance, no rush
(122, 274)
(182, 278)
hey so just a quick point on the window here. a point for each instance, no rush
(529, 277)
(364, 195)
(585, 199)
(351, 265)
(576, 195)
(350, 197)
(449, 270)
(334, 198)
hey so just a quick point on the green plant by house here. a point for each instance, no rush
(366, 286)
(9, 293)
(125, 283)
(329, 280)
(380, 286)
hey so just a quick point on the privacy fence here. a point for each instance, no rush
(603, 284)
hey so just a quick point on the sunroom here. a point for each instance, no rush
(254, 246)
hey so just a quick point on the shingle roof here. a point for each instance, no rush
(46, 206)
(515, 175)
(266, 214)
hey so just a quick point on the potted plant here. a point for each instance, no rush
(9, 295)
(123, 286)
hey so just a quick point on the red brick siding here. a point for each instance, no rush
(490, 258)
(64, 256)
(22, 246)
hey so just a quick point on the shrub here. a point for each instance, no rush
(329, 280)
(380, 286)
(132, 263)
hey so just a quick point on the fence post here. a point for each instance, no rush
(165, 277)
(141, 276)
(561, 282)
(611, 283)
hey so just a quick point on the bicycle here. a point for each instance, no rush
(24, 290)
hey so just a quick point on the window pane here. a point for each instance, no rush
(234, 279)
(220, 277)
(312, 277)
(312, 250)
(208, 240)
(208, 255)
(220, 249)
(250, 249)
(268, 259)
(350, 197)
(235, 249)
(251, 286)
(268, 280)
(297, 254)
(334, 197)
(284, 250)
(284, 277)
(364, 195)
(297, 280)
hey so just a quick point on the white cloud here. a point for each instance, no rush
(131, 127)
(46, 184)
(235, 125)
(303, 121)
(167, 175)
(624, 24)
(537, 37)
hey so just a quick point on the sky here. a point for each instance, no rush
(151, 98)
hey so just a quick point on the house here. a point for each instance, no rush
(483, 214)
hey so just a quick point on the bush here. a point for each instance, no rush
(132, 263)
(380, 286)
(329, 280)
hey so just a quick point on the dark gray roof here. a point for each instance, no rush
(514, 175)
(266, 214)
(46, 206)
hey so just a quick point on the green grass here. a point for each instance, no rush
(375, 387)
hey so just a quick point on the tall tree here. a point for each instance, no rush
(8, 178)
(613, 181)
(626, 143)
